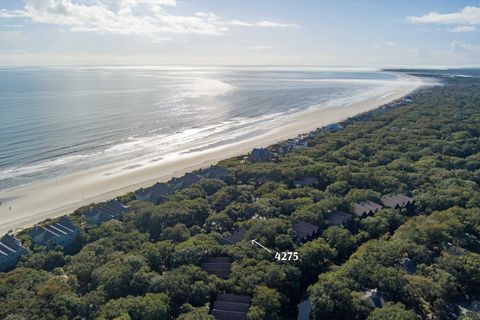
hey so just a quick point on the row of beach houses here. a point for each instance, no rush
(61, 233)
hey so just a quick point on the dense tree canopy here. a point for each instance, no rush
(147, 264)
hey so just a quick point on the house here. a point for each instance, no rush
(184, 182)
(61, 233)
(305, 231)
(313, 134)
(374, 299)
(112, 209)
(366, 208)
(11, 250)
(260, 155)
(219, 266)
(305, 182)
(407, 265)
(398, 201)
(338, 218)
(231, 307)
(284, 148)
(261, 180)
(334, 127)
(155, 193)
(214, 172)
(234, 238)
(299, 144)
(455, 250)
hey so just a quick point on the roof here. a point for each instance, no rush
(306, 181)
(214, 172)
(219, 266)
(54, 231)
(9, 245)
(234, 238)
(260, 154)
(303, 229)
(407, 265)
(154, 193)
(231, 307)
(107, 211)
(374, 299)
(396, 201)
(455, 250)
(187, 180)
(335, 218)
(366, 208)
(10, 250)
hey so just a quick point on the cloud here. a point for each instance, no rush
(468, 16)
(128, 17)
(463, 29)
(458, 47)
(260, 47)
(12, 25)
(264, 24)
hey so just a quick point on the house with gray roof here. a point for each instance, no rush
(305, 182)
(218, 266)
(399, 201)
(233, 238)
(155, 193)
(11, 250)
(214, 172)
(338, 218)
(366, 208)
(61, 233)
(407, 265)
(305, 231)
(184, 182)
(231, 307)
(112, 209)
(374, 299)
(260, 155)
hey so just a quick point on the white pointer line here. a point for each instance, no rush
(254, 242)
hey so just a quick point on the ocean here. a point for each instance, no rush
(61, 120)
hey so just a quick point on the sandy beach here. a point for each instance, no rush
(30, 204)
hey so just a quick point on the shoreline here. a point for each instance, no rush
(36, 202)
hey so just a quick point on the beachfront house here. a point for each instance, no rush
(260, 155)
(214, 172)
(366, 208)
(283, 148)
(299, 143)
(399, 201)
(305, 231)
(112, 209)
(184, 182)
(61, 233)
(154, 194)
(231, 307)
(11, 250)
(334, 127)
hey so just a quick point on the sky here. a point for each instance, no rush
(380, 33)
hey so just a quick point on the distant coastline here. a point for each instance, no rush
(30, 204)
